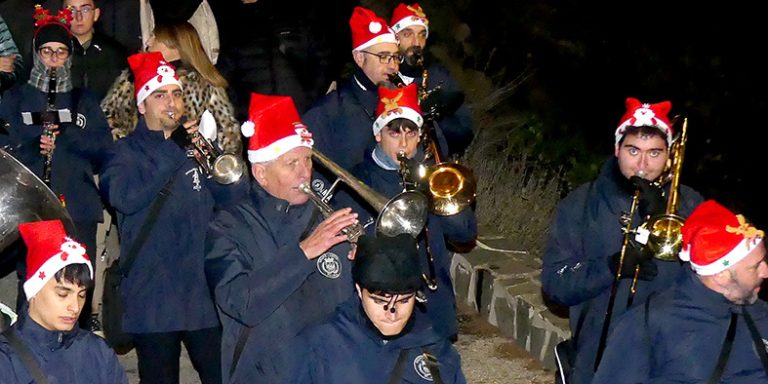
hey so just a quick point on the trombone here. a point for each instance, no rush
(404, 213)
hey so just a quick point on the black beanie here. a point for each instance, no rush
(387, 264)
(53, 32)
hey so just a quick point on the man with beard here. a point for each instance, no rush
(340, 120)
(711, 327)
(165, 297)
(442, 98)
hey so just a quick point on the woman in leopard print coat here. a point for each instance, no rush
(202, 84)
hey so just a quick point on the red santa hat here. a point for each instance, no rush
(405, 16)
(150, 72)
(396, 104)
(369, 29)
(644, 114)
(714, 238)
(49, 249)
(274, 128)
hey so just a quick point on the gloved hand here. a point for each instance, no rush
(651, 200)
(441, 103)
(181, 138)
(633, 257)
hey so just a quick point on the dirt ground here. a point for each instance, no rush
(488, 357)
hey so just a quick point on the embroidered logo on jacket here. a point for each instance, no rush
(81, 121)
(196, 185)
(329, 265)
(420, 365)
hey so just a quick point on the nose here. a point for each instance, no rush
(305, 171)
(390, 315)
(403, 140)
(74, 305)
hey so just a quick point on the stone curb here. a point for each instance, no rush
(503, 286)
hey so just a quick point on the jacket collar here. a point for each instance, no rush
(705, 298)
(39, 337)
(415, 334)
(274, 209)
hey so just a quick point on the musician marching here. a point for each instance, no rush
(397, 130)
(439, 91)
(275, 264)
(157, 188)
(76, 139)
(583, 253)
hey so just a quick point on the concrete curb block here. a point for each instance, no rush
(512, 302)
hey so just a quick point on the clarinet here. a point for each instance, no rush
(48, 123)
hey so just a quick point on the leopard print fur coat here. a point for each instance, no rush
(122, 114)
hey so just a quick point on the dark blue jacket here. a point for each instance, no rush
(81, 146)
(349, 349)
(165, 289)
(460, 228)
(74, 357)
(455, 124)
(682, 340)
(263, 280)
(342, 122)
(576, 273)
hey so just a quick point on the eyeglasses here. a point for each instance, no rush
(85, 10)
(61, 53)
(386, 58)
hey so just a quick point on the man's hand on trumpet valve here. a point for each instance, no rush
(634, 256)
(328, 233)
(652, 200)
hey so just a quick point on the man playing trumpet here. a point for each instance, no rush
(582, 255)
(165, 296)
(274, 263)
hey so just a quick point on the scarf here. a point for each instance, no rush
(382, 160)
(38, 78)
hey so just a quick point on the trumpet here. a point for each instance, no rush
(224, 168)
(353, 232)
(404, 213)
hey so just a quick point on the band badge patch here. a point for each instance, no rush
(329, 265)
(81, 121)
(420, 365)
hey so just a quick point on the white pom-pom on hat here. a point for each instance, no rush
(374, 27)
(248, 128)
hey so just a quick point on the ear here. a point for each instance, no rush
(142, 108)
(259, 172)
(359, 58)
(616, 150)
(96, 14)
(378, 137)
(359, 291)
(722, 278)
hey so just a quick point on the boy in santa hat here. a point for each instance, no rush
(165, 296)
(80, 140)
(581, 258)
(275, 264)
(711, 327)
(445, 100)
(58, 275)
(397, 129)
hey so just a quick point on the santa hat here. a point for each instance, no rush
(643, 114)
(714, 238)
(398, 103)
(150, 72)
(49, 28)
(49, 249)
(274, 128)
(369, 29)
(405, 16)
